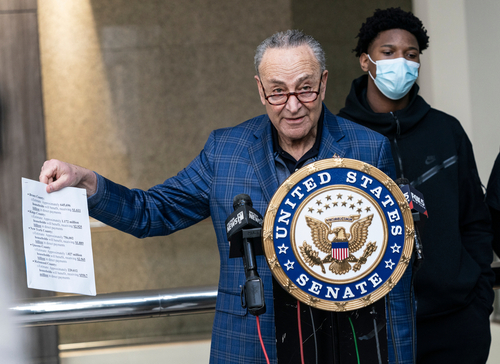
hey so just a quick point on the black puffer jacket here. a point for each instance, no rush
(431, 149)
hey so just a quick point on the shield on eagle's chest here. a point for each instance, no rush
(340, 250)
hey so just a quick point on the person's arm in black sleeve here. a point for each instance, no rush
(495, 222)
(493, 201)
(475, 221)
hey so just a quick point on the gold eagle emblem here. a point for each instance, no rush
(356, 238)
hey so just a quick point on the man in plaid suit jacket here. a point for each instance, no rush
(252, 158)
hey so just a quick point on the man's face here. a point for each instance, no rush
(389, 44)
(292, 70)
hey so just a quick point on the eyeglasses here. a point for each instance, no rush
(281, 99)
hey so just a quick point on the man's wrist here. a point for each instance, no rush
(89, 182)
(94, 199)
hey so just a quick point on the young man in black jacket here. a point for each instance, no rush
(453, 286)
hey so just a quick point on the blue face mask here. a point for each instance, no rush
(395, 77)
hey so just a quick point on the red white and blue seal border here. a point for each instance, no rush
(281, 255)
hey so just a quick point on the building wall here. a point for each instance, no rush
(132, 90)
(22, 152)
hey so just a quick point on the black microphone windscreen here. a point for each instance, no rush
(402, 181)
(242, 199)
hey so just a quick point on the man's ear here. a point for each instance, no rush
(324, 79)
(364, 61)
(261, 92)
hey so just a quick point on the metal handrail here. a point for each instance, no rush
(62, 310)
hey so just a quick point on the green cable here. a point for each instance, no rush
(355, 342)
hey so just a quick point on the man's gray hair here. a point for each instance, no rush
(290, 39)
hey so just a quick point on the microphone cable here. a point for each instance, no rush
(314, 334)
(375, 330)
(300, 333)
(392, 329)
(355, 340)
(261, 341)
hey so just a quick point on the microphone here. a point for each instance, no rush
(414, 197)
(243, 227)
(244, 217)
(417, 205)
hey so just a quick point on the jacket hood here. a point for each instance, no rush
(357, 109)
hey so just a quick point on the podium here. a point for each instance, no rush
(338, 235)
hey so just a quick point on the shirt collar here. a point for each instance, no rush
(290, 161)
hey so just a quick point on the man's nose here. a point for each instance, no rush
(293, 104)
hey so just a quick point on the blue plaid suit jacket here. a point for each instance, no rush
(237, 160)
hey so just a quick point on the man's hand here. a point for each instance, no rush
(57, 175)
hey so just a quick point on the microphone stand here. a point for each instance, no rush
(419, 253)
(252, 293)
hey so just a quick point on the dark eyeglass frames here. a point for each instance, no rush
(281, 99)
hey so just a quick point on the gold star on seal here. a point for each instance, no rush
(339, 196)
(405, 260)
(313, 301)
(268, 234)
(272, 209)
(311, 169)
(344, 203)
(403, 205)
(352, 206)
(410, 232)
(288, 185)
(318, 202)
(350, 197)
(360, 202)
(340, 306)
(328, 198)
(320, 211)
(311, 209)
(367, 300)
(338, 162)
(273, 262)
(366, 168)
(390, 184)
(327, 207)
(289, 286)
(368, 209)
(390, 284)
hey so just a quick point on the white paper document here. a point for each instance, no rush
(57, 243)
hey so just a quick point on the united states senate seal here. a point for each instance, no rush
(338, 234)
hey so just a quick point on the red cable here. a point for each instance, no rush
(260, 338)
(300, 333)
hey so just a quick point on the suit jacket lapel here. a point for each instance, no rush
(262, 157)
(332, 135)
